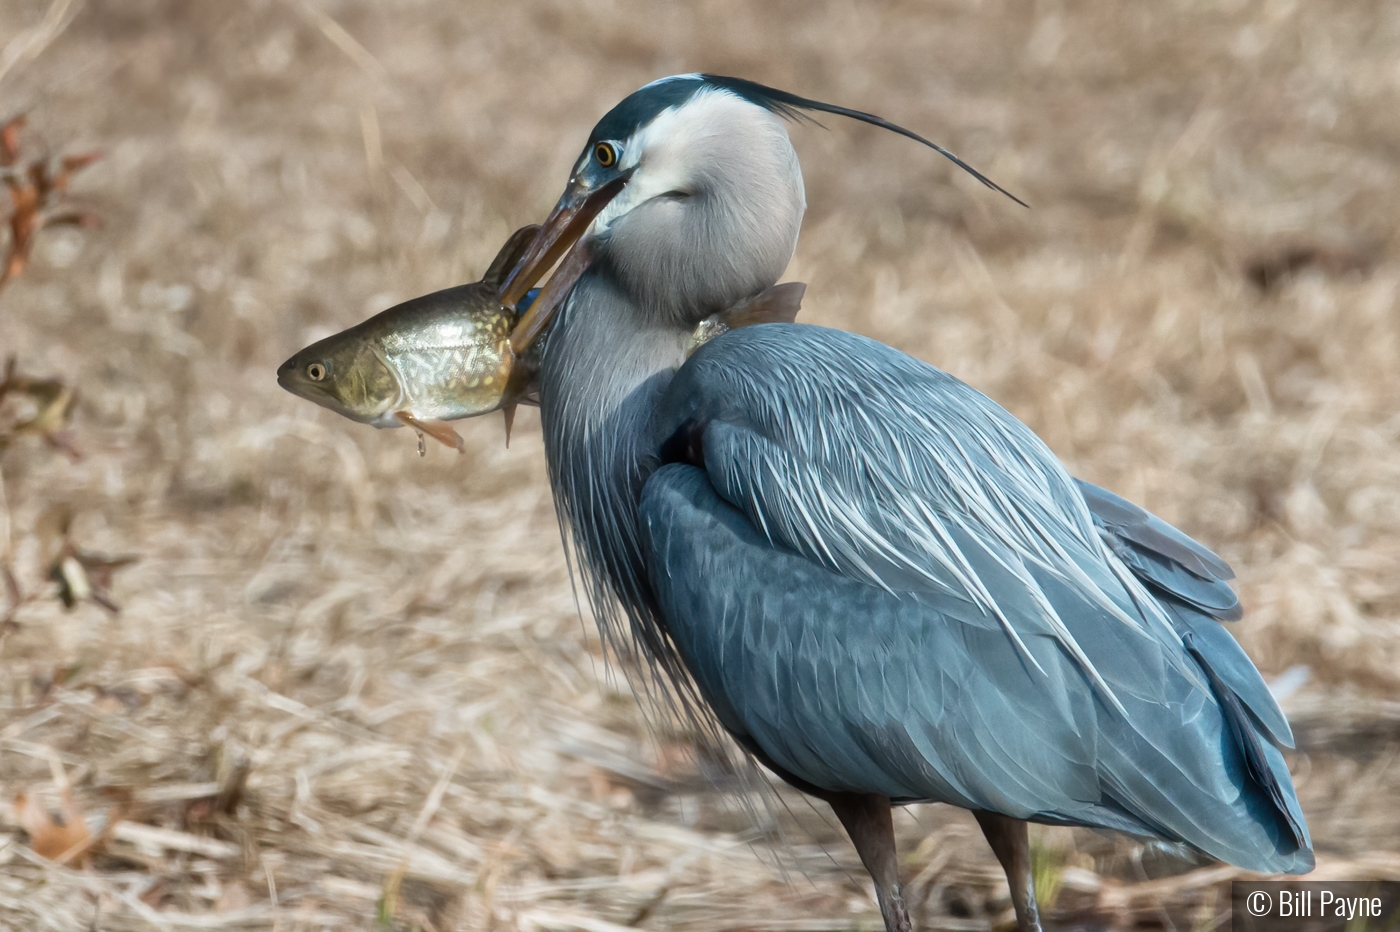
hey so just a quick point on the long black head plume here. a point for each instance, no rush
(642, 106)
(791, 106)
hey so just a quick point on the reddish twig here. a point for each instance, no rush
(34, 188)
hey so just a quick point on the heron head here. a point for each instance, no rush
(688, 193)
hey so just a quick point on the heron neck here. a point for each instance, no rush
(604, 369)
(605, 364)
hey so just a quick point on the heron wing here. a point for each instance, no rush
(1162, 556)
(1191, 581)
(885, 582)
(887, 470)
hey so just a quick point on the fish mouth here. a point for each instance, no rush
(289, 377)
(286, 377)
(561, 235)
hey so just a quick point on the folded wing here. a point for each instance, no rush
(884, 582)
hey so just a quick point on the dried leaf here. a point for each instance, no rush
(74, 218)
(62, 837)
(73, 585)
(32, 187)
(9, 140)
(70, 165)
(83, 575)
(42, 407)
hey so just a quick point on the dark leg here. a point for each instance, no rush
(1011, 843)
(866, 817)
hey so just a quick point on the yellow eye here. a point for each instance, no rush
(605, 154)
(315, 372)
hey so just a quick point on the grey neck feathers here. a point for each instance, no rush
(602, 375)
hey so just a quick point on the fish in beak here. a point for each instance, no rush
(562, 235)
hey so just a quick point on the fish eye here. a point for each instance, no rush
(605, 154)
(315, 372)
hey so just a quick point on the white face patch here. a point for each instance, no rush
(681, 148)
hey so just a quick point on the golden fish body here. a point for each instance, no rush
(447, 355)
(436, 358)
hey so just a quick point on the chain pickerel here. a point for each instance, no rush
(447, 355)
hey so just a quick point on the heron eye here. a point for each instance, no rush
(315, 372)
(605, 154)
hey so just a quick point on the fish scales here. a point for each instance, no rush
(447, 355)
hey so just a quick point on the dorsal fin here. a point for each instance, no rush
(776, 304)
(509, 255)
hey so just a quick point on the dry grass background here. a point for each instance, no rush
(388, 646)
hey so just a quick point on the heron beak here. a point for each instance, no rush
(560, 234)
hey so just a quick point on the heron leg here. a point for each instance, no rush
(866, 818)
(1011, 843)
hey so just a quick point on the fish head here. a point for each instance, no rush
(347, 374)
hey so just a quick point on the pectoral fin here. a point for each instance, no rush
(440, 431)
(509, 412)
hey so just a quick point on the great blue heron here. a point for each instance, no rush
(881, 584)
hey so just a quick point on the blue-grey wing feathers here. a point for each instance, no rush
(1162, 556)
(885, 583)
(1191, 581)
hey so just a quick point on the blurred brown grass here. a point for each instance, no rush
(387, 648)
